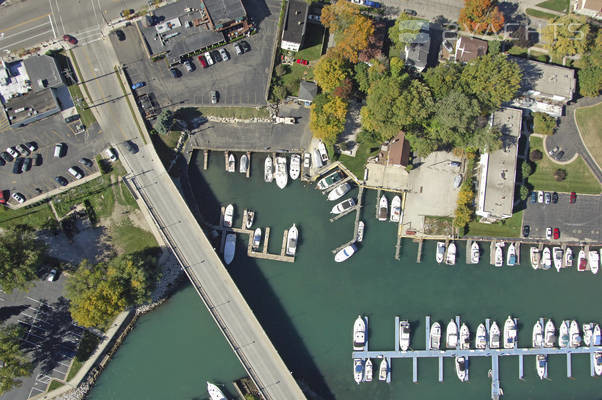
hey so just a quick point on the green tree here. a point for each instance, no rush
(13, 363)
(495, 47)
(544, 123)
(327, 117)
(567, 35)
(405, 30)
(361, 77)
(443, 78)
(455, 119)
(281, 69)
(330, 71)
(526, 169)
(396, 66)
(590, 81)
(524, 192)
(560, 174)
(21, 254)
(164, 122)
(279, 92)
(414, 107)
(379, 115)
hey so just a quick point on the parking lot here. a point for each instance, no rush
(580, 221)
(240, 81)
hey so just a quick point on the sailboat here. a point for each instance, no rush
(281, 175)
(557, 255)
(588, 332)
(475, 253)
(575, 339)
(542, 365)
(360, 231)
(345, 253)
(510, 337)
(244, 164)
(537, 338)
(256, 238)
(511, 256)
(582, 262)
(494, 336)
(358, 370)
(499, 255)
(450, 258)
(359, 333)
(383, 207)
(228, 216)
(268, 169)
(383, 370)
(568, 257)
(564, 338)
(214, 392)
(440, 252)
(462, 368)
(229, 248)
(395, 209)
(339, 191)
(231, 163)
(451, 335)
(295, 166)
(291, 240)
(435, 336)
(546, 258)
(594, 261)
(368, 371)
(464, 337)
(549, 334)
(535, 257)
(404, 335)
(481, 339)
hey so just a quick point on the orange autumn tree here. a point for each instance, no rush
(351, 29)
(481, 16)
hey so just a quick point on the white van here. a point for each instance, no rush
(58, 150)
(208, 58)
(76, 174)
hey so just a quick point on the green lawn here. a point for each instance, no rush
(539, 14)
(313, 43)
(81, 106)
(517, 51)
(589, 120)
(510, 227)
(357, 164)
(555, 5)
(54, 384)
(297, 73)
(131, 238)
(124, 197)
(165, 145)
(75, 367)
(536, 55)
(579, 177)
(34, 216)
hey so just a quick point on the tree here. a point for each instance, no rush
(526, 169)
(414, 107)
(396, 66)
(351, 29)
(481, 16)
(21, 254)
(455, 119)
(330, 71)
(279, 92)
(590, 81)
(405, 30)
(344, 89)
(535, 155)
(524, 192)
(544, 123)
(281, 69)
(443, 78)
(327, 117)
(495, 47)
(361, 77)
(164, 122)
(566, 35)
(13, 363)
(379, 115)
(560, 174)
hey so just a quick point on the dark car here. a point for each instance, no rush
(547, 198)
(573, 198)
(131, 147)
(61, 181)
(526, 230)
(554, 197)
(37, 160)
(6, 157)
(138, 85)
(27, 164)
(85, 161)
(2, 162)
(533, 197)
(245, 46)
(410, 12)
(70, 39)
(18, 165)
(120, 34)
(556, 233)
(559, 155)
(32, 146)
(175, 72)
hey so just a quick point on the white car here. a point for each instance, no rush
(209, 58)
(74, 171)
(540, 197)
(188, 65)
(225, 56)
(237, 48)
(111, 154)
(13, 152)
(549, 233)
(18, 197)
(51, 275)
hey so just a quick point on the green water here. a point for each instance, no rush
(308, 308)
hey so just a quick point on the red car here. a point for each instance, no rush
(301, 61)
(573, 197)
(203, 61)
(70, 39)
(2, 198)
(556, 233)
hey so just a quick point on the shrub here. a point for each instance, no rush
(535, 155)
(409, 167)
(279, 92)
(526, 169)
(560, 174)
(544, 124)
(524, 191)
(293, 85)
(495, 46)
(281, 69)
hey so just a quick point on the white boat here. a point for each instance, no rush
(535, 257)
(368, 370)
(598, 362)
(268, 169)
(499, 255)
(464, 337)
(256, 238)
(358, 370)
(228, 216)
(563, 337)
(339, 191)
(244, 164)
(214, 392)
(475, 253)
(549, 338)
(343, 206)
(404, 335)
(295, 166)
(440, 254)
(594, 261)
(511, 256)
(510, 334)
(546, 258)
(329, 180)
(345, 253)
(494, 336)
(435, 336)
(250, 219)
(317, 159)
(291, 240)
(229, 248)
(462, 368)
(451, 335)
(588, 332)
(231, 163)
(306, 161)
(582, 261)
(281, 175)
(557, 256)
(323, 152)
(360, 231)
(597, 337)
(359, 333)
(450, 258)
(383, 208)
(575, 339)
(542, 365)
(383, 370)
(537, 338)
(568, 257)
(395, 209)
(481, 339)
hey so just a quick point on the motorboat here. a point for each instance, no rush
(291, 240)
(383, 208)
(542, 365)
(229, 248)
(317, 159)
(215, 392)
(395, 209)
(323, 152)
(250, 219)
(594, 261)
(510, 333)
(597, 337)
(549, 337)
(494, 336)
(306, 161)
(464, 337)
(404, 335)
(462, 368)
(295, 166)
(360, 231)
(451, 335)
(231, 163)
(339, 191)
(345, 253)
(563, 337)
(383, 370)
(588, 332)
(475, 253)
(268, 170)
(368, 370)
(511, 255)
(256, 238)
(546, 258)
(535, 257)
(440, 252)
(557, 254)
(329, 180)
(499, 255)
(450, 258)
(358, 370)
(575, 339)
(582, 262)
(359, 333)
(343, 206)
(568, 257)
(244, 164)
(281, 175)
(537, 338)
(228, 215)
(481, 339)
(435, 336)
(598, 362)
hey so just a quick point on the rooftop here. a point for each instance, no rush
(14, 80)
(296, 19)
(24, 107)
(43, 72)
(307, 90)
(468, 48)
(416, 53)
(541, 79)
(224, 11)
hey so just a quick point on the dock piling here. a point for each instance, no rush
(521, 372)
(495, 377)
(487, 323)
(415, 369)
(396, 333)
(283, 250)
(419, 255)
(440, 369)
(569, 366)
(249, 166)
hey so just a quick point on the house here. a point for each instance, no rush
(294, 26)
(497, 169)
(468, 48)
(589, 8)
(416, 53)
(396, 152)
(307, 92)
(544, 87)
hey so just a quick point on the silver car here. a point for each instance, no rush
(225, 56)
(213, 95)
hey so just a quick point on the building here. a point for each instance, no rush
(544, 87)
(396, 152)
(294, 26)
(497, 169)
(225, 14)
(589, 8)
(416, 53)
(307, 92)
(468, 48)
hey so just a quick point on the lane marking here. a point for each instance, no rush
(24, 23)
(60, 15)
(24, 40)
(26, 30)
(52, 26)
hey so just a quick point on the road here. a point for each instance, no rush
(174, 219)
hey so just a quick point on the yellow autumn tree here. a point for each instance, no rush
(327, 117)
(351, 29)
(330, 71)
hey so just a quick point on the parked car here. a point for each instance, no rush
(13, 152)
(556, 233)
(533, 197)
(3, 196)
(59, 149)
(130, 146)
(301, 61)
(573, 198)
(2, 162)
(6, 157)
(111, 154)
(203, 61)
(312, 17)
(85, 161)
(409, 12)
(22, 149)
(37, 160)
(547, 197)
(553, 151)
(70, 39)
(554, 197)
(77, 174)
(51, 275)
(18, 165)
(245, 46)
(175, 72)
(27, 164)
(120, 35)
(18, 197)
(213, 95)
(559, 155)
(526, 230)
(32, 146)
(238, 49)
(540, 197)
(138, 85)
(224, 54)
(209, 58)
(549, 233)
(61, 180)
(188, 66)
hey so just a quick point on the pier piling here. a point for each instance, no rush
(415, 369)
(487, 323)
(569, 366)
(283, 250)
(427, 326)
(521, 371)
(377, 201)
(226, 160)
(440, 369)
(419, 255)
(468, 246)
(458, 326)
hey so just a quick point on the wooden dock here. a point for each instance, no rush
(517, 249)
(398, 241)
(339, 183)
(468, 246)
(492, 253)
(419, 256)
(377, 201)
(205, 159)
(226, 160)
(347, 211)
(360, 199)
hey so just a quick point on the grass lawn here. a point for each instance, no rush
(81, 106)
(313, 43)
(234, 112)
(536, 55)
(517, 51)
(589, 120)
(539, 14)
(131, 238)
(556, 5)
(124, 197)
(510, 227)
(86, 348)
(579, 178)
(79, 73)
(297, 73)
(357, 164)
(98, 191)
(75, 367)
(34, 216)
(54, 384)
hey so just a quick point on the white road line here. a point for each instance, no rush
(60, 14)
(27, 30)
(36, 300)
(52, 12)
(24, 40)
(95, 15)
(80, 33)
(52, 26)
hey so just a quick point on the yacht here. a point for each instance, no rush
(594, 261)
(546, 258)
(368, 371)
(451, 335)
(568, 257)
(329, 180)
(462, 368)
(481, 339)
(229, 248)
(494, 336)
(228, 216)
(256, 238)
(231, 163)
(557, 254)
(537, 335)
(510, 337)
(250, 218)
(214, 392)
(395, 209)
(358, 370)
(281, 175)
(360, 231)
(440, 252)
(435, 338)
(345, 253)
(475, 253)
(268, 170)
(598, 362)
(450, 258)
(564, 338)
(244, 164)
(535, 257)
(582, 261)
(549, 334)
(499, 255)
(339, 191)
(464, 337)
(404, 335)
(596, 337)
(383, 208)
(542, 365)
(383, 370)
(295, 166)
(588, 331)
(343, 206)
(511, 256)
(323, 152)
(291, 240)
(575, 339)
(359, 333)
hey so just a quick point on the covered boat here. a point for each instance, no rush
(358, 370)
(343, 206)
(268, 170)
(215, 392)
(228, 215)
(323, 152)
(542, 365)
(511, 256)
(250, 219)
(256, 238)
(339, 191)
(229, 248)
(537, 337)
(597, 336)
(568, 257)
(395, 209)
(450, 257)
(360, 231)
(494, 336)
(549, 337)
(481, 339)
(462, 368)
(383, 370)
(404, 335)
(563, 337)
(231, 163)
(383, 208)
(329, 180)
(510, 333)
(451, 335)
(535, 257)
(588, 332)
(291, 240)
(368, 370)
(435, 336)
(598, 363)
(281, 175)
(557, 257)
(499, 255)
(464, 337)
(317, 159)
(244, 164)
(345, 253)
(440, 252)
(359, 333)
(475, 253)
(295, 166)
(575, 339)
(582, 261)
(594, 261)
(546, 258)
